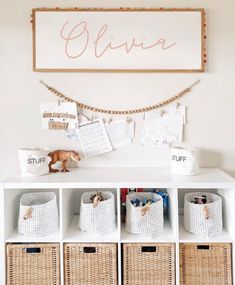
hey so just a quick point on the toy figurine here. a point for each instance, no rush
(62, 156)
(96, 199)
(200, 200)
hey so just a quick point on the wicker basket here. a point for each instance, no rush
(205, 264)
(99, 220)
(33, 264)
(147, 221)
(149, 264)
(90, 264)
(204, 220)
(38, 214)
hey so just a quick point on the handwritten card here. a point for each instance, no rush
(120, 133)
(93, 138)
(59, 116)
(161, 131)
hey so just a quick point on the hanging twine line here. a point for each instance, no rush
(120, 112)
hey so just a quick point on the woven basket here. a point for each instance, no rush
(90, 264)
(205, 264)
(33, 264)
(38, 214)
(149, 264)
(204, 220)
(147, 221)
(99, 220)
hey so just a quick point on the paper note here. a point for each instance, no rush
(93, 138)
(178, 110)
(120, 132)
(163, 130)
(59, 116)
(72, 134)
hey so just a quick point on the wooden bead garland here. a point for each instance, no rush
(121, 112)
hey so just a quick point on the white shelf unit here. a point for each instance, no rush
(69, 187)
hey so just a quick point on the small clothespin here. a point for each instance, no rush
(59, 102)
(28, 213)
(96, 201)
(145, 209)
(177, 106)
(110, 120)
(163, 112)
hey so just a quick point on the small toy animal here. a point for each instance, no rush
(62, 156)
(96, 199)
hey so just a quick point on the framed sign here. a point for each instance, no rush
(151, 40)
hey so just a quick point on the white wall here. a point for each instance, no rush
(210, 106)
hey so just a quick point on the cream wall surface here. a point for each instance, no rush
(211, 104)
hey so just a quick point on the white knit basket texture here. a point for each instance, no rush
(99, 220)
(151, 223)
(204, 220)
(38, 214)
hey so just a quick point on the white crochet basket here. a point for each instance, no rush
(99, 219)
(204, 220)
(38, 215)
(147, 221)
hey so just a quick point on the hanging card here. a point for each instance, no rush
(163, 130)
(59, 116)
(178, 110)
(93, 138)
(120, 133)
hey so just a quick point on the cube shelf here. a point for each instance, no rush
(70, 186)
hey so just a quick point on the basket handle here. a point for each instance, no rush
(89, 250)
(33, 250)
(148, 248)
(96, 201)
(28, 213)
(206, 212)
(145, 209)
(203, 247)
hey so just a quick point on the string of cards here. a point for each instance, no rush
(98, 136)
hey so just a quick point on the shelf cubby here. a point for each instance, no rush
(170, 231)
(228, 212)
(11, 210)
(71, 200)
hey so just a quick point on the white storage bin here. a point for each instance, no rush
(146, 220)
(38, 215)
(33, 161)
(99, 220)
(184, 160)
(204, 220)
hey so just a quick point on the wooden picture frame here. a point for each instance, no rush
(92, 40)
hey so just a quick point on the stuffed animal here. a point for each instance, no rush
(62, 156)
